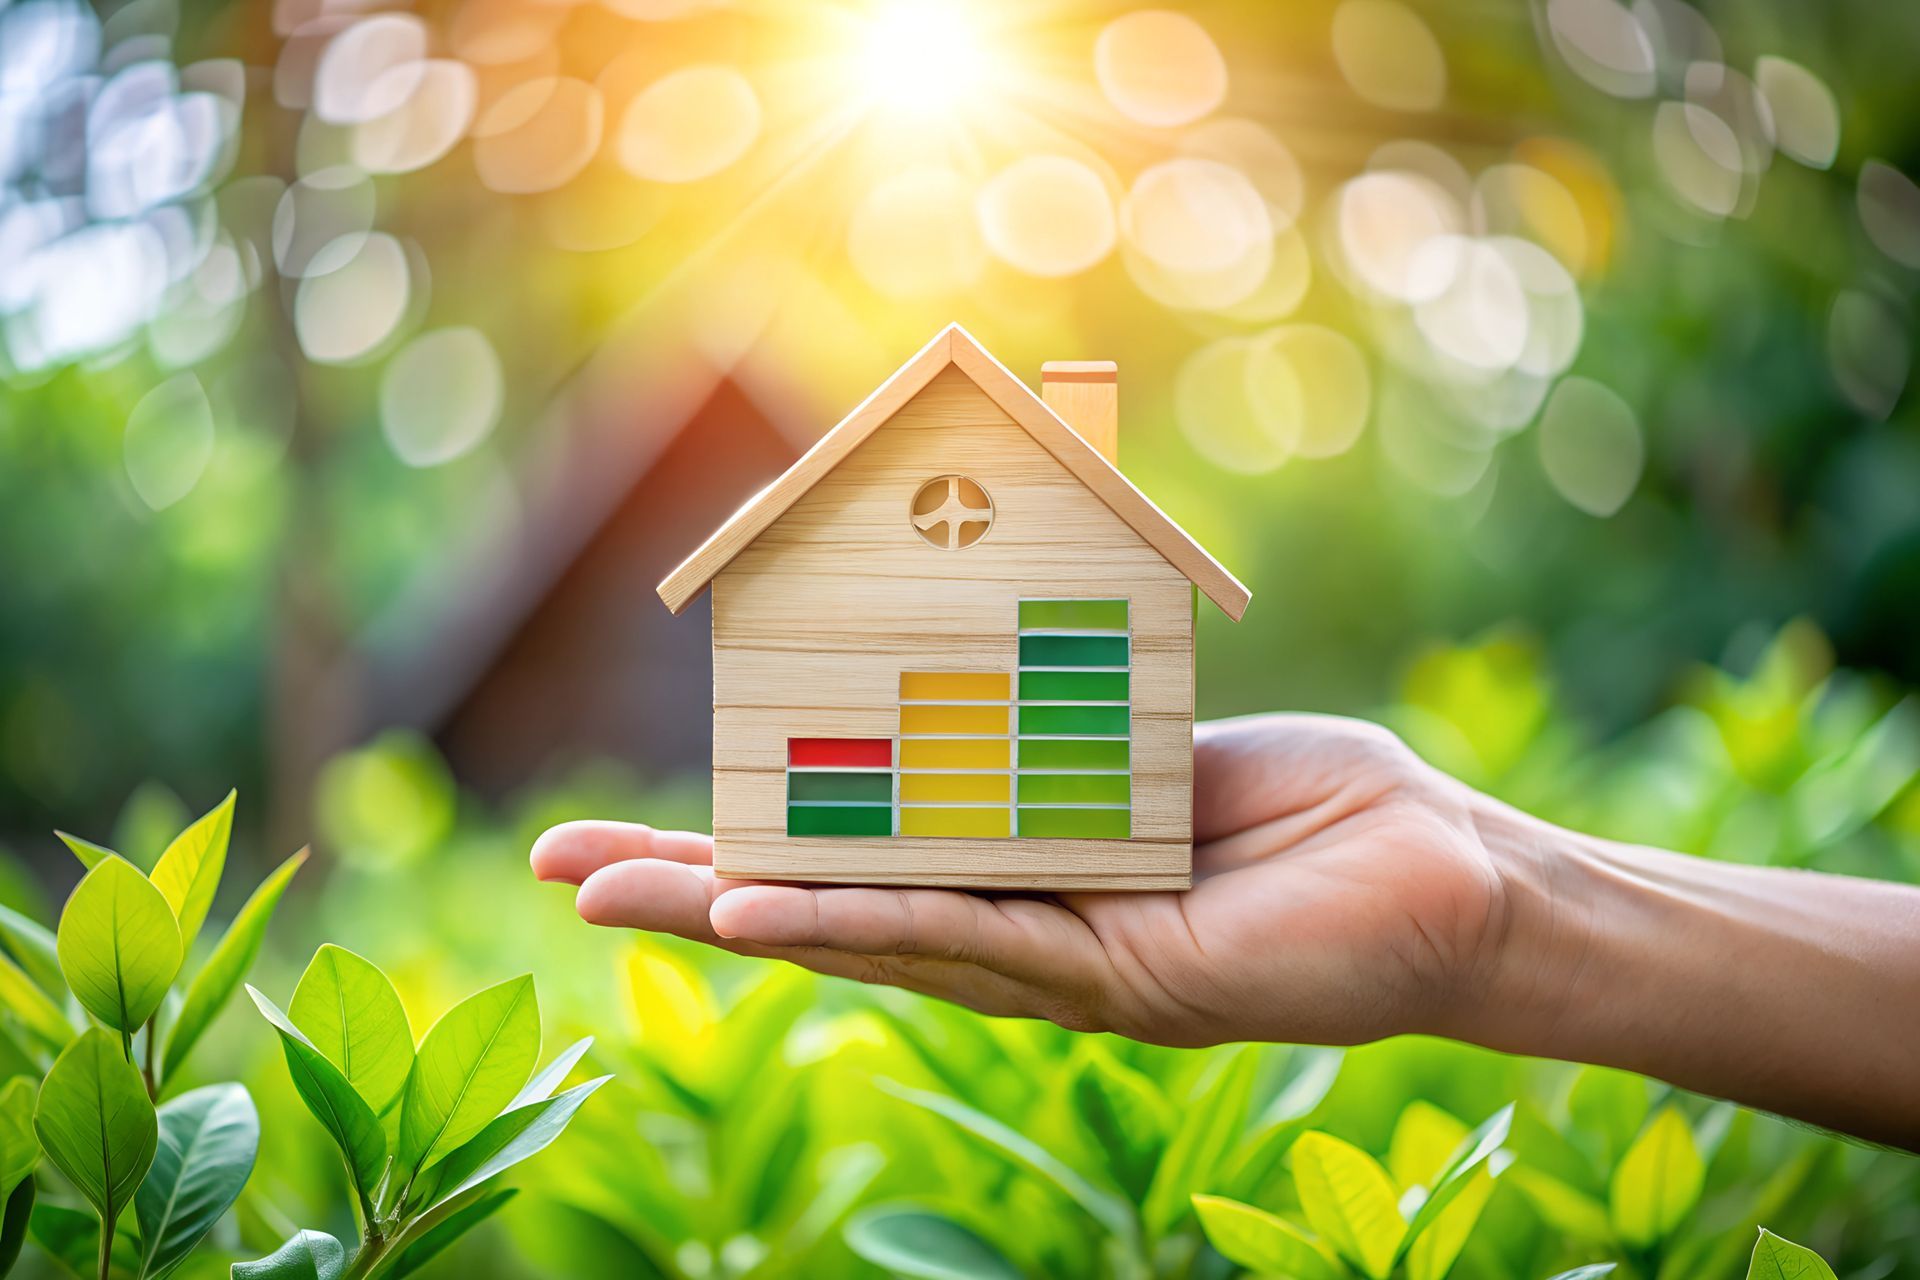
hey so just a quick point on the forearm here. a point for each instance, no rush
(1791, 991)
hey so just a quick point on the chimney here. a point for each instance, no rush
(1086, 395)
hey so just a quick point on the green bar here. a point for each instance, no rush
(1069, 753)
(1073, 615)
(875, 788)
(839, 820)
(1076, 824)
(1073, 686)
(1073, 651)
(1069, 788)
(1072, 720)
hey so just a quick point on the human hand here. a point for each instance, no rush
(1342, 892)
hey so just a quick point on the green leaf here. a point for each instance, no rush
(1777, 1258)
(1565, 1208)
(909, 1240)
(208, 1139)
(449, 1229)
(1350, 1202)
(1283, 1121)
(189, 871)
(1592, 1271)
(309, 1255)
(1109, 1211)
(1264, 1243)
(27, 1002)
(339, 1108)
(1210, 1123)
(351, 1013)
(1127, 1116)
(519, 1134)
(1657, 1182)
(1476, 1152)
(13, 1224)
(1610, 1103)
(1424, 1140)
(1438, 1242)
(470, 1065)
(90, 854)
(33, 947)
(95, 1122)
(764, 1132)
(119, 946)
(221, 976)
(548, 1078)
(19, 1148)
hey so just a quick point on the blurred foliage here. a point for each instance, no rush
(166, 559)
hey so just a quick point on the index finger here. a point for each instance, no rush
(572, 851)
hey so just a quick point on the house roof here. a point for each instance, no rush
(955, 346)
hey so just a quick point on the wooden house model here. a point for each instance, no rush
(953, 645)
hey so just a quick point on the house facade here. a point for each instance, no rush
(951, 647)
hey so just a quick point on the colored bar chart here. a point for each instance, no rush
(1073, 712)
(1044, 752)
(956, 753)
(839, 786)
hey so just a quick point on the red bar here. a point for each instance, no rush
(840, 753)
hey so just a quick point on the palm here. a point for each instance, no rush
(1336, 882)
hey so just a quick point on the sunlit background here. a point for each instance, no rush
(1581, 315)
(1543, 367)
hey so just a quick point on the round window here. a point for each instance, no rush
(952, 512)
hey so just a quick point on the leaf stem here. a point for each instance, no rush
(366, 1262)
(107, 1222)
(153, 1037)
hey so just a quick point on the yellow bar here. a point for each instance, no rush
(956, 822)
(956, 753)
(953, 719)
(933, 788)
(955, 686)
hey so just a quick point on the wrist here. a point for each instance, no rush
(1543, 940)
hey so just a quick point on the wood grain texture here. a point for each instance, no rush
(815, 621)
(1099, 475)
(954, 347)
(1085, 394)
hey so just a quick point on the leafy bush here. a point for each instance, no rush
(100, 1008)
(423, 1130)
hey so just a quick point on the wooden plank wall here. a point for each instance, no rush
(815, 621)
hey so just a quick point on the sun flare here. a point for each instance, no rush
(921, 56)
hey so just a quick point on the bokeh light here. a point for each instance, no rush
(1889, 203)
(1159, 68)
(348, 312)
(1201, 232)
(1805, 116)
(1388, 55)
(440, 396)
(1212, 402)
(689, 125)
(169, 441)
(424, 125)
(370, 69)
(539, 136)
(321, 221)
(1590, 446)
(1047, 216)
(1869, 344)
